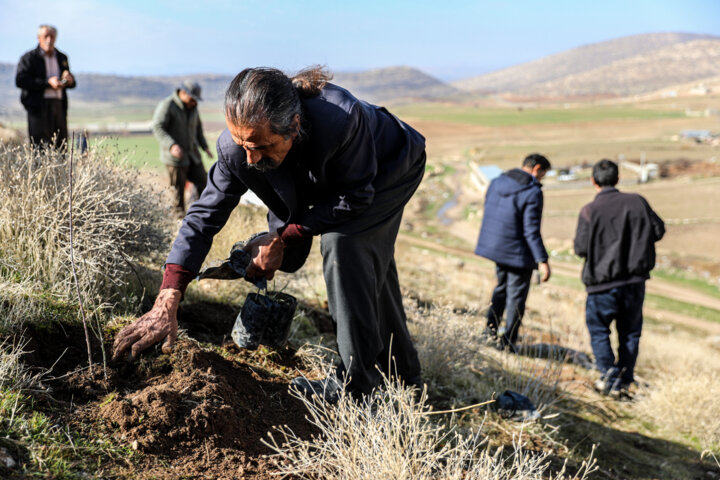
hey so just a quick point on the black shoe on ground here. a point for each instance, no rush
(621, 393)
(328, 389)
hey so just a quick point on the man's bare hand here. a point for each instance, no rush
(157, 324)
(68, 78)
(209, 152)
(54, 83)
(267, 255)
(176, 151)
(544, 268)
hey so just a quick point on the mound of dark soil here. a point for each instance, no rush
(191, 414)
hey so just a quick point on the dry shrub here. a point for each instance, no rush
(14, 375)
(391, 435)
(450, 352)
(116, 219)
(686, 400)
(455, 361)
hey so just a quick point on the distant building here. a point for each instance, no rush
(700, 136)
(700, 90)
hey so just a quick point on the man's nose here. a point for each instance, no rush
(253, 156)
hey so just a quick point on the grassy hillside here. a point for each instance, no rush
(206, 409)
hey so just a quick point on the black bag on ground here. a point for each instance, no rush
(264, 319)
(515, 406)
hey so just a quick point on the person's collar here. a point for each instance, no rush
(607, 189)
(52, 53)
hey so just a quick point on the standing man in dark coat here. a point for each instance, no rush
(510, 237)
(177, 127)
(616, 235)
(43, 74)
(324, 163)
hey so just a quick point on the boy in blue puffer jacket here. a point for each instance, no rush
(510, 237)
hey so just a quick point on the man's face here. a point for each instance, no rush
(538, 172)
(187, 99)
(265, 150)
(46, 40)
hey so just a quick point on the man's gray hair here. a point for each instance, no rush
(49, 27)
(259, 95)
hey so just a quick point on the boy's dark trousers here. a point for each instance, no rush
(624, 305)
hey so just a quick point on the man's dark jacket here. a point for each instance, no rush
(616, 234)
(510, 232)
(31, 77)
(355, 159)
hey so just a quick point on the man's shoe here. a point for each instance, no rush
(328, 389)
(602, 386)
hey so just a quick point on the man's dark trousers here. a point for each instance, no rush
(48, 123)
(624, 305)
(509, 297)
(195, 174)
(365, 300)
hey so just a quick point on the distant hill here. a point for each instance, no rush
(623, 66)
(380, 85)
(394, 83)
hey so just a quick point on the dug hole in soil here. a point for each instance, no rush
(191, 414)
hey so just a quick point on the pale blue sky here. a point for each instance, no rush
(449, 39)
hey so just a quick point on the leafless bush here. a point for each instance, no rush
(390, 435)
(450, 352)
(686, 400)
(456, 361)
(116, 220)
(14, 375)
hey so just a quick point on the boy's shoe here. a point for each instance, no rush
(328, 389)
(489, 336)
(621, 392)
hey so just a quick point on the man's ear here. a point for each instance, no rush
(296, 124)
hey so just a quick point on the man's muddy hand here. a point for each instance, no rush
(267, 255)
(157, 324)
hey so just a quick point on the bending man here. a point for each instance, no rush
(324, 163)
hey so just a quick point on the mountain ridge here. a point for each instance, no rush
(624, 66)
(550, 71)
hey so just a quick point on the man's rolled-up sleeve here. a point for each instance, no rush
(207, 216)
(352, 170)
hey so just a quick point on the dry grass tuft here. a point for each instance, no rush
(686, 400)
(116, 220)
(390, 435)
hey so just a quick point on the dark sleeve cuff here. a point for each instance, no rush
(177, 277)
(293, 233)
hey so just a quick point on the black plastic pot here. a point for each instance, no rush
(264, 319)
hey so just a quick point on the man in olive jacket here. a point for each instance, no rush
(616, 234)
(177, 126)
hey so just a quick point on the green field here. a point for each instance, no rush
(503, 117)
(141, 151)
